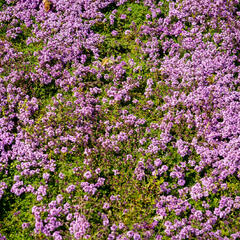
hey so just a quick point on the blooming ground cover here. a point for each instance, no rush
(119, 119)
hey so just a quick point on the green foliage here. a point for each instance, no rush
(138, 197)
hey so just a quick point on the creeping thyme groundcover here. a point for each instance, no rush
(119, 119)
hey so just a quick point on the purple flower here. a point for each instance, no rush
(136, 236)
(61, 175)
(25, 225)
(112, 198)
(70, 188)
(148, 16)
(100, 182)
(181, 182)
(116, 172)
(114, 33)
(105, 222)
(79, 227)
(198, 215)
(98, 170)
(106, 205)
(121, 225)
(130, 234)
(87, 175)
(64, 149)
(46, 176)
(157, 162)
(39, 198)
(114, 227)
(57, 236)
(123, 16)
(59, 198)
(69, 217)
(127, 32)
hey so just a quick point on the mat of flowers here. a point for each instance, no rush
(119, 119)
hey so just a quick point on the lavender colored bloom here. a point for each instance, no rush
(111, 236)
(136, 236)
(106, 205)
(123, 16)
(39, 198)
(116, 172)
(64, 149)
(59, 198)
(157, 162)
(89, 188)
(148, 16)
(98, 170)
(127, 32)
(105, 222)
(57, 236)
(61, 175)
(25, 225)
(70, 188)
(130, 234)
(100, 182)
(46, 176)
(198, 215)
(69, 217)
(114, 33)
(87, 175)
(114, 227)
(113, 198)
(185, 64)
(79, 226)
(121, 225)
(181, 182)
